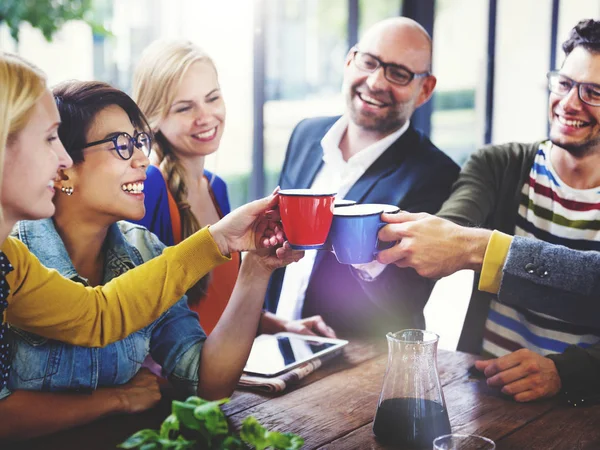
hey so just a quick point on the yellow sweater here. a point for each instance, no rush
(43, 302)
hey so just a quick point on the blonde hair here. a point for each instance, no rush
(21, 86)
(157, 77)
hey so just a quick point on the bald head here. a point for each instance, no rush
(400, 32)
(387, 76)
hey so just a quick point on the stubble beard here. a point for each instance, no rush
(395, 116)
(578, 149)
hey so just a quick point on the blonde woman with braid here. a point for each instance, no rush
(177, 88)
(40, 300)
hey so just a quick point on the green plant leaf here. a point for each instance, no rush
(284, 441)
(136, 440)
(152, 446)
(296, 442)
(254, 433)
(182, 444)
(196, 401)
(185, 414)
(205, 422)
(170, 427)
(213, 418)
(231, 443)
(278, 440)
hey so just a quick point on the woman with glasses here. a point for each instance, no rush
(40, 300)
(87, 241)
(176, 85)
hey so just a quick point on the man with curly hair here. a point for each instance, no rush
(547, 190)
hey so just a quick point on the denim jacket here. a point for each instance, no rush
(174, 340)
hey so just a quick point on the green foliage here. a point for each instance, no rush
(46, 15)
(197, 424)
(255, 434)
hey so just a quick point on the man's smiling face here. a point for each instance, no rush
(375, 104)
(574, 125)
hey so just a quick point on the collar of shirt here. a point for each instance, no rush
(364, 158)
(43, 240)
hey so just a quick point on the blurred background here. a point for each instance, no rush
(280, 61)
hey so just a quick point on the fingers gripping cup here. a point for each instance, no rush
(354, 231)
(306, 215)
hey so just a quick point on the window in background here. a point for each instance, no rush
(372, 11)
(522, 61)
(210, 25)
(75, 53)
(305, 48)
(68, 56)
(306, 44)
(459, 55)
(569, 13)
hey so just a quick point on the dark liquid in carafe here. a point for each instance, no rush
(410, 422)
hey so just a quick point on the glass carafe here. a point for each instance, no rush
(411, 411)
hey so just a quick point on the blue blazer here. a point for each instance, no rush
(413, 174)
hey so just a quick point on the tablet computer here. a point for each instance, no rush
(273, 354)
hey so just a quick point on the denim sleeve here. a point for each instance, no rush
(4, 393)
(185, 375)
(176, 344)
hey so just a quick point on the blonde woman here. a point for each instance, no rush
(40, 300)
(177, 88)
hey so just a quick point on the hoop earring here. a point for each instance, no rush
(67, 190)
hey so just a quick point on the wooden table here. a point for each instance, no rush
(333, 408)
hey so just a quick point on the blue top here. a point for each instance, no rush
(174, 340)
(158, 217)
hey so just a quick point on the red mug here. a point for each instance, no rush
(306, 215)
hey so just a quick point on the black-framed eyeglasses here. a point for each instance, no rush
(589, 93)
(394, 73)
(125, 144)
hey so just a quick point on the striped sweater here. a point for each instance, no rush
(554, 212)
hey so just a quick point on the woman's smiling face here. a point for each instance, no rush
(195, 121)
(105, 184)
(32, 160)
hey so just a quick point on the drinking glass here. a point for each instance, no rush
(463, 442)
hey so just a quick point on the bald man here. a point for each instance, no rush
(371, 154)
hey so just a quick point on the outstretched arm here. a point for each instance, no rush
(226, 350)
(27, 414)
(98, 316)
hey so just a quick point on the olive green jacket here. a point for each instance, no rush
(487, 194)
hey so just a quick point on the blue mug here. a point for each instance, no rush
(353, 233)
(338, 203)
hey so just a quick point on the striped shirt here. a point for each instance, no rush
(554, 212)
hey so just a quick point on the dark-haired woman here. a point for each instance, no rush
(108, 139)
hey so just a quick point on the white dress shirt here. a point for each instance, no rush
(339, 176)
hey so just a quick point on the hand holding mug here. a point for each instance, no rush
(252, 226)
(353, 233)
(306, 215)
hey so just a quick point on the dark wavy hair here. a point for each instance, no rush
(585, 34)
(78, 104)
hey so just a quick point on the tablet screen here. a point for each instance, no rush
(273, 354)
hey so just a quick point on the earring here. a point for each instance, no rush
(67, 190)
